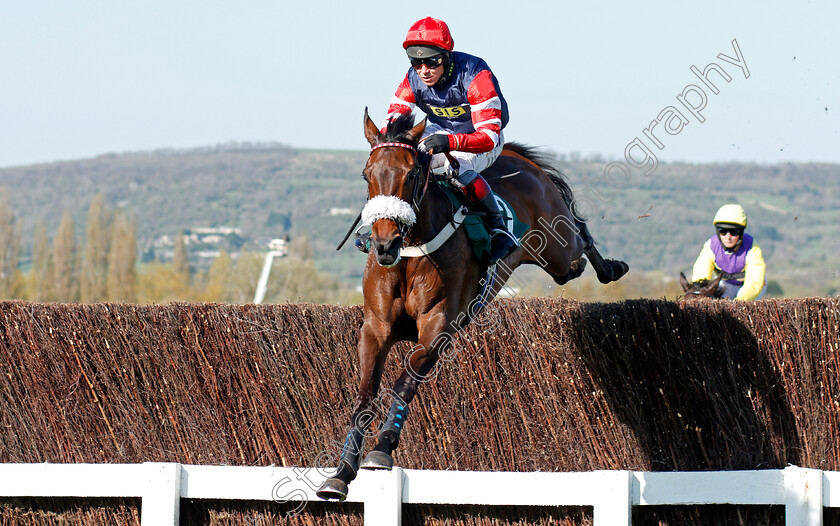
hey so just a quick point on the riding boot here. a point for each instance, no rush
(502, 241)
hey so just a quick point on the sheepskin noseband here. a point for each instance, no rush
(388, 207)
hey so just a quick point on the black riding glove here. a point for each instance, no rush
(436, 143)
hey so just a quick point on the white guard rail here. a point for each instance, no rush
(611, 494)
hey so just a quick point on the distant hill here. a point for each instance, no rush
(657, 222)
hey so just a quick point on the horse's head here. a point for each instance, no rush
(395, 184)
(701, 289)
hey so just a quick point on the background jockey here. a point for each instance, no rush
(734, 254)
(466, 112)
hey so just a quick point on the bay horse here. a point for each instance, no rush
(701, 289)
(427, 299)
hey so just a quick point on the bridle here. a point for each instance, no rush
(416, 173)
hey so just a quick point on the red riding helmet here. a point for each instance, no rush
(429, 32)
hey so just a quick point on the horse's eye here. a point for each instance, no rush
(365, 177)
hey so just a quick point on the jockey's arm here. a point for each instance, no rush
(754, 275)
(486, 112)
(704, 267)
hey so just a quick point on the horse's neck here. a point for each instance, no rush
(434, 212)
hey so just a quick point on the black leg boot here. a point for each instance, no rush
(502, 242)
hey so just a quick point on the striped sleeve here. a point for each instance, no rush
(486, 110)
(403, 101)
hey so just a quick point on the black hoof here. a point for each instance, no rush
(578, 267)
(619, 269)
(378, 460)
(333, 489)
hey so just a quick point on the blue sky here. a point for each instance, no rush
(91, 77)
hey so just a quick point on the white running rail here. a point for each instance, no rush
(612, 494)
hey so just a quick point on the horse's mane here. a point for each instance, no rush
(395, 130)
(544, 161)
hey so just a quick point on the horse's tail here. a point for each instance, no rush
(543, 161)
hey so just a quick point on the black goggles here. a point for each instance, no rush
(430, 62)
(731, 231)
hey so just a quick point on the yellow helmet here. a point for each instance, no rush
(731, 214)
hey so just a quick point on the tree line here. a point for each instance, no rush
(104, 268)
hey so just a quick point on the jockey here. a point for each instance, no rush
(466, 113)
(733, 254)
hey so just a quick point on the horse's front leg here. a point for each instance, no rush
(435, 339)
(373, 348)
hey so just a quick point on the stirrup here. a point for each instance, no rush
(506, 233)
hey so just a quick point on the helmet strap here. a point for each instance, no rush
(448, 68)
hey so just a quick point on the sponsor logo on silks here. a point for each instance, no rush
(451, 112)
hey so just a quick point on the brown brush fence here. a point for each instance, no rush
(556, 386)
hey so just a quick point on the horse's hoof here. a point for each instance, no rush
(377, 460)
(623, 268)
(333, 489)
(618, 269)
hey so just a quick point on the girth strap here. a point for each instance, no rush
(736, 276)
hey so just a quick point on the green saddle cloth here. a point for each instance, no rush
(473, 225)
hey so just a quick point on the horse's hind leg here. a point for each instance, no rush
(608, 270)
(577, 268)
(557, 246)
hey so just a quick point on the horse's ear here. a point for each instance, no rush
(713, 285)
(415, 133)
(371, 131)
(684, 282)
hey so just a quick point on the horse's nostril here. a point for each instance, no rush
(388, 246)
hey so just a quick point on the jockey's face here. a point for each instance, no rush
(428, 75)
(729, 239)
